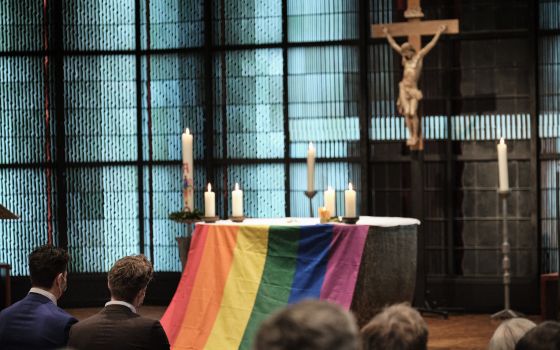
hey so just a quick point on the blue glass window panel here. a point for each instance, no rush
(167, 198)
(248, 21)
(100, 97)
(381, 11)
(21, 25)
(491, 127)
(383, 95)
(263, 189)
(98, 25)
(434, 127)
(173, 24)
(549, 210)
(254, 109)
(177, 102)
(549, 70)
(103, 218)
(549, 14)
(334, 174)
(23, 191)
(22, 107)
(323, 93)
(322, 20)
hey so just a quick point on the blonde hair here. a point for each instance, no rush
(397, 327)
(509, 332)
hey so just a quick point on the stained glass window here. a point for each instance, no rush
(99, 25)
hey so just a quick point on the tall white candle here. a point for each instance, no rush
(188, 170)
(237, 201)
(502, 166)
(330, 201)
(350, 202)
(209, 202)
(311, 168)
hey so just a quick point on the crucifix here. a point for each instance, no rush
(413, 54)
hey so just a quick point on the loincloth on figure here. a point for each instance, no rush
(406, 94)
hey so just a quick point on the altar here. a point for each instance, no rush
(237, 274)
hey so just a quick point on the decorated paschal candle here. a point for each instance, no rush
(188, 170)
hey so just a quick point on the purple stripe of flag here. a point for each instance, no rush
(347, 247)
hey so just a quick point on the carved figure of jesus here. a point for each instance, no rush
(409, 94)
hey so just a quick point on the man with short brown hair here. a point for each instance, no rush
(118, 326)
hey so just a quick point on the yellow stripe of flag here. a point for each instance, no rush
(241, 288)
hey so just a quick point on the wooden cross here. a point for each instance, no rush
(414, 29)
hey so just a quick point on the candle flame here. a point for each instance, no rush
(311, 146)
(329, 188)
(209, 187)
(350, 186)
(187, 131)
(502, 141)
(236, 186)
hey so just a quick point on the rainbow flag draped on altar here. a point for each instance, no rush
(236, 275)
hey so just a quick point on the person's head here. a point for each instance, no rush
(542, 337)
(309, 325)
(396, 327)
(509, 332)
(407, 50)
(129, 278)
(48, 269)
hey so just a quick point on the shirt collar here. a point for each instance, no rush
(43, 293)
(123, 303)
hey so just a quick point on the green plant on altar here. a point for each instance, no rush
(186, 216)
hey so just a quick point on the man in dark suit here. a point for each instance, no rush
(36, 322)
(118, 326)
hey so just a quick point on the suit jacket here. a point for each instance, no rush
(34, 322)
(116, 327)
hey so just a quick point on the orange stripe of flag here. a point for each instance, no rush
(173, 317)
(208, 288)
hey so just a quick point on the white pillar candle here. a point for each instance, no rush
(188, 170)
(330, 201)
(209, 202)
(237, 201)
(502, 166)
(350, 202)
(311, 168)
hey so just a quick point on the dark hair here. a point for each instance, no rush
(128, 276)
(543, 337)
(309, 325)
(396, 327)
(45, 263)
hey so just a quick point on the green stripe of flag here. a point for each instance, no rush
(279, 269)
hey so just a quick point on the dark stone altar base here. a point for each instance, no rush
(387, 272)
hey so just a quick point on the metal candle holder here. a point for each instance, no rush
(310, 195)
(507, 312)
